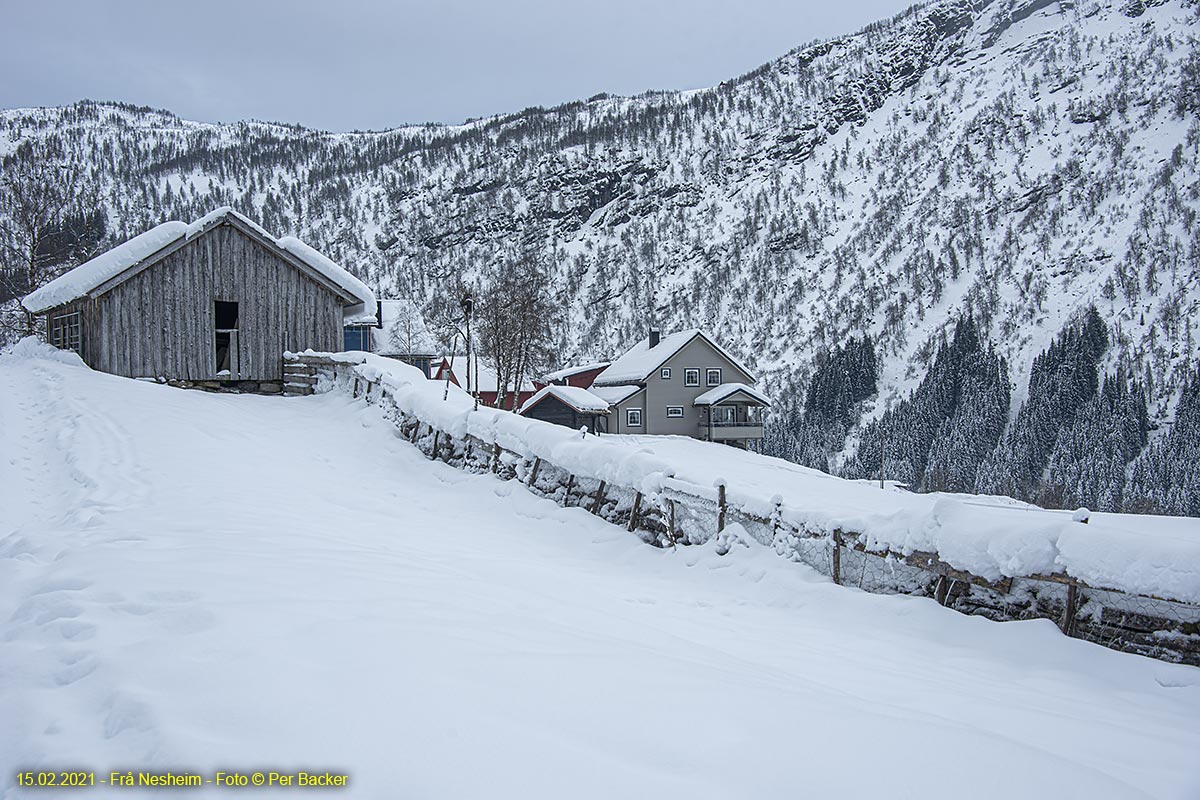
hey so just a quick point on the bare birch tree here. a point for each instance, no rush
(515, 317)
(49, 221)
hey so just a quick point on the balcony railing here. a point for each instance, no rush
(731, 430)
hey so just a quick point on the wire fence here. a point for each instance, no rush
(682, 514)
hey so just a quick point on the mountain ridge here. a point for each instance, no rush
(1018, 162)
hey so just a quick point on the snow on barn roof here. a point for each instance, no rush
(402, 330)
(359, 314)
(641, 360)
(87, 276)
(579, 399)
(324, 265)
(719, 393)
(90, 275)
(614, 395)
(567, 372)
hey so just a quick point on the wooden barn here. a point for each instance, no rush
(212, 304)
(568, 405)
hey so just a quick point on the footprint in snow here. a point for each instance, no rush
(125, 714)
(41, 610)
(75, 631)
(62, 585)
(82, 666)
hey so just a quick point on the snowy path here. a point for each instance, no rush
(200, 581)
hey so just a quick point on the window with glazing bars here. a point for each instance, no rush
(65, 331)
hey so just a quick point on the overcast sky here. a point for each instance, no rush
(358, 64)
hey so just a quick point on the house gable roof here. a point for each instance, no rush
(615, 395)
(641, 361)
(113, 267)
(568, 372)
(577, 398)
(483, 375)
(728, 391)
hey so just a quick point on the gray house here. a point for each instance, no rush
(213, 304)
(684, 384)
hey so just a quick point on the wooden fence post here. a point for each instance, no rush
(941, 591)
(495, 457)
(671, 521)
(537, 464)
(433, 455)
(837, 556)
(570, 485)
(1067, 623)
(720, 507)
(633, 514)
(599, 498)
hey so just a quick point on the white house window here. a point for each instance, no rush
(65, 331)
(713, 377)
(691, 377)
(665, 373)
(633, 417)
(674, 412)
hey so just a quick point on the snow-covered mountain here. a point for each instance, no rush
(1017, 162)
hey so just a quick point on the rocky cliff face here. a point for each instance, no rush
(1014, 161)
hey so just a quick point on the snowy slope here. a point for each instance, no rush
(989, 536)
(209, 581)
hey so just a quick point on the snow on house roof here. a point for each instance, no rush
(483, 375)
(402, 330)
(614, 395)
(92, 274)
(641, 360)
(720, 393)
(567, 372)
(577, 398)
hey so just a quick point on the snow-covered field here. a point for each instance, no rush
(206, 582)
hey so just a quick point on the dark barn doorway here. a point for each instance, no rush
(226, 313)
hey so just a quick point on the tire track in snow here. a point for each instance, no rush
(72, 468)
(98, 450)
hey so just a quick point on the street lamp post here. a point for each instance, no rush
(466, 303)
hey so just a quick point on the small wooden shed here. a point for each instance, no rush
(213, 304)
(571, 406)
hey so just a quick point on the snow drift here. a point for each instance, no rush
(990, 537)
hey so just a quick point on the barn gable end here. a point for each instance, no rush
(158, 318)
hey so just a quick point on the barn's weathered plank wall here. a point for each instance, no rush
(161, 322)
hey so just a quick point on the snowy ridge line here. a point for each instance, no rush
(666, 511)
(991, 543)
